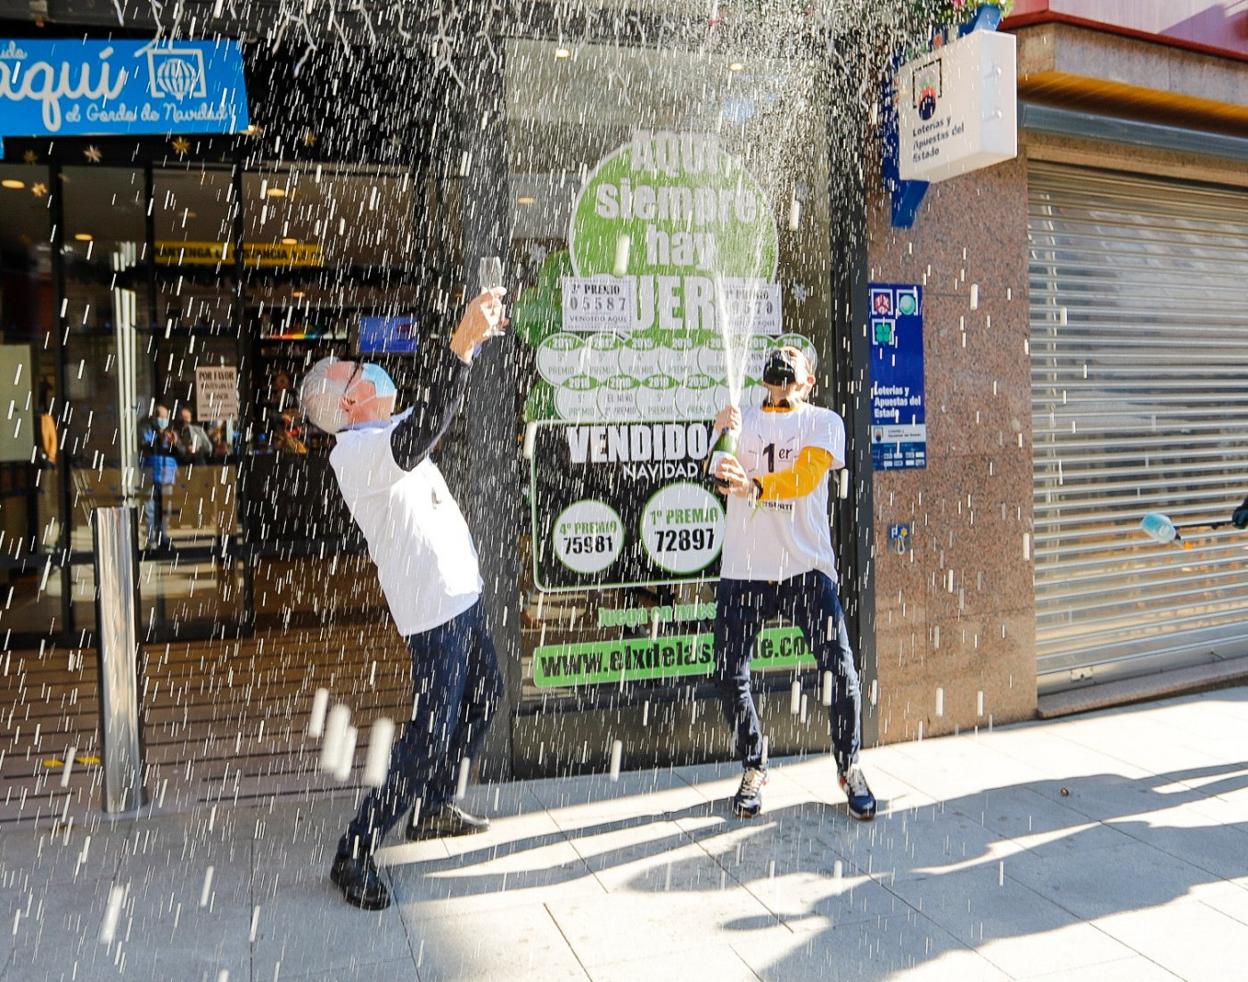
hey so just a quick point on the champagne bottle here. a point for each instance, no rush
(725, 445)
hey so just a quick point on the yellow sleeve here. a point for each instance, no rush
(800, 479)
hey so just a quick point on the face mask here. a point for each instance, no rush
(383, 385)
(780, 368)
(162, 422)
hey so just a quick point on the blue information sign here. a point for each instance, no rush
(898, 410)
(395, 335)
(79, 87)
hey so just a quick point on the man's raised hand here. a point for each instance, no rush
(484, 318)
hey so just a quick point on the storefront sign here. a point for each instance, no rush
(667, 297)
(172, 252)
(599, 303)
(641, 659)
(957, 108)
(396, 335)
(216, 393)
(88, 87)
(622, 504)
(898, 410)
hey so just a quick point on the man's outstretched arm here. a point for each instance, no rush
(442, 388)
(443, 380)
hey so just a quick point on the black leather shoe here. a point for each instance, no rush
(447, 821)
(360, 882)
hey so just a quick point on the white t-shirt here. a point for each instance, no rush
(416, 533)
(780, 539)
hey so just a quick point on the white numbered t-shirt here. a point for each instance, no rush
(780, 539)
(416, 533)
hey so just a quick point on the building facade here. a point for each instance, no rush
(1084, 364)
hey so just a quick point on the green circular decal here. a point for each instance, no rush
(682, 528)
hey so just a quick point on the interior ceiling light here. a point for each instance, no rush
(563, 52)
(276, 192)
(12, 183)
(83, 236)
(290, 241)
(736, 66)
(526, 199)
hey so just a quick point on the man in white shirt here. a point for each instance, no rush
(427, 564)
(778, 561)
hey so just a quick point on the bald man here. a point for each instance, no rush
(427, 564)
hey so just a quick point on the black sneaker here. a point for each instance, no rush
(360, 882)
(748, 801)
(447, 821)
(859, 797)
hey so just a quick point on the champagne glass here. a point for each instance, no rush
(490, 277)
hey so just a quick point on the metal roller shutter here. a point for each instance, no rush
(1139, 359)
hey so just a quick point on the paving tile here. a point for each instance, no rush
(718, 962)
(1233, 904)
(156, 937)
(1189, 836)
(521, 860)
(521, 943)
(400, 970)
(1134, 969)
(902, 947)
(308, 927)
(616, 927)
(1192, 940)
(916, 843)
(644, 855)
(1100, 882)
(1008, 923)
(1016, 810)
(52, 856)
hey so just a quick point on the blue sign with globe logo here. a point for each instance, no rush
(88, 87)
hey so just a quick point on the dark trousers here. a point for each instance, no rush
(457, 685)
(810, 602)
(158, 506)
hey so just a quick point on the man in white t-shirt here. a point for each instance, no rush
(427, 564)
(778, 561)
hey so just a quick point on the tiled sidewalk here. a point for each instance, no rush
(1113, 846)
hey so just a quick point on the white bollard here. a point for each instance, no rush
(346, 755)
(316, 722)
(335, 733)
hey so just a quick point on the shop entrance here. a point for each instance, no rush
(688, 177)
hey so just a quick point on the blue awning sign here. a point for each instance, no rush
(84, 87)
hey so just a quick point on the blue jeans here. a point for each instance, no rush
(157, 508)
(810, 602)
(456, 685)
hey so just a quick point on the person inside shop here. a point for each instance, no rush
(193, 443)
(778, 561)
(427, 564)
(287, 434)
(158, 449)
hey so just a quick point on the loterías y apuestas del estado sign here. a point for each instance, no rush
(957, 108)
(81, 87)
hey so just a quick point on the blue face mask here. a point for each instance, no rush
(162, 422)
(383, 384)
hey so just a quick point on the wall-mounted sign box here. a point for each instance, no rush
(958, 108)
